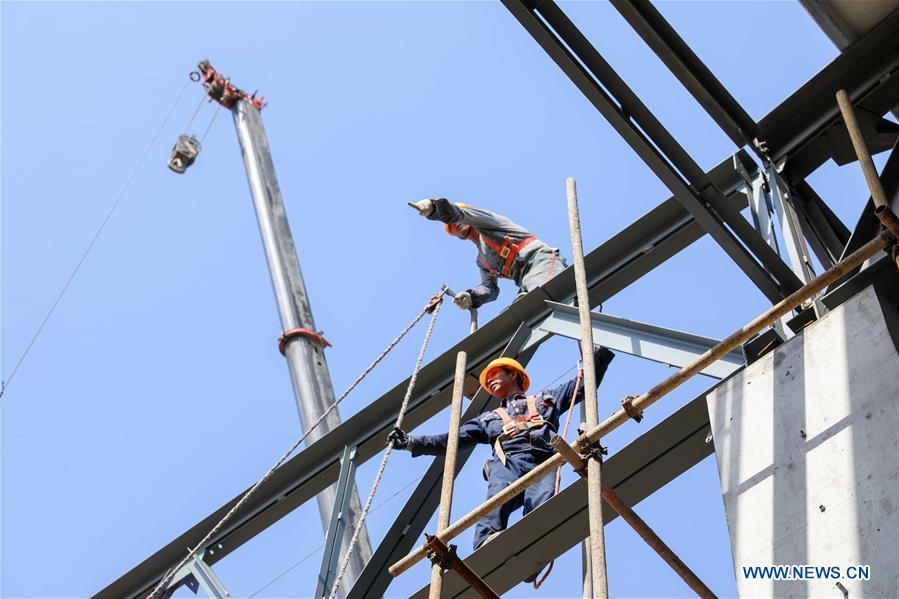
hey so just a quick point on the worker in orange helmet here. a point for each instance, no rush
(505, 249)
(519, 432)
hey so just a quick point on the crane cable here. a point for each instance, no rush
(360, 522)
(5, 383)
(434, 306)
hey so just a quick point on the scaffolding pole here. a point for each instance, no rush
(636, 522)
(635, 406)
(882, 209)
(449, 468)
(600, 583)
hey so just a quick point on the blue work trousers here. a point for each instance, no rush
(498, 478)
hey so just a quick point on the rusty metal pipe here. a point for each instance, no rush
(446, 556)
(594, 467)
(653, 395)
(449, 467)
(881, 203)
(578, 463)
(657, 544)
(635, 521)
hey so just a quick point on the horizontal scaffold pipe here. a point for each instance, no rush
(642, 402)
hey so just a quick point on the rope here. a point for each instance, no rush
(322, 546)
(171, 573)
(90, 246)
(577, 385)
(398, 424)
(196, 112)
(212, 120)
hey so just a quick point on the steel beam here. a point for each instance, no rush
(635, 472)
(659, 344)
(806, 129)
(337, 524)
(790, 227)
(868, 225)
(609, 94)
(684, 64)
(195, 575)
(824, 231)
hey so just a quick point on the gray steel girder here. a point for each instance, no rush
(636, 124)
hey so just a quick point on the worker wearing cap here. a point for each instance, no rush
(519, 432)
(505, 249)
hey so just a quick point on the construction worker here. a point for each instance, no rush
(519, 432)
(505, 249)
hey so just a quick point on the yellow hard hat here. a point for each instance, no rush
(451, 227)
(505, 363)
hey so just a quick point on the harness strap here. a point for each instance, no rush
(516, 425)
(508, 251)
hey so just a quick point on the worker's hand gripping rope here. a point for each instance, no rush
(399, 438)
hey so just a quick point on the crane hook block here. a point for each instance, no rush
(184, 153)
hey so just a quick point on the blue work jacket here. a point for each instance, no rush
(487, 427)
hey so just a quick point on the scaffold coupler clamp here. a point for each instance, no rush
(630, 409)
(589, 450)
(440, 553)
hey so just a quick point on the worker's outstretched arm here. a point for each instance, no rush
(487, 291)
(485, 220)
(470, 433)
(563, 393)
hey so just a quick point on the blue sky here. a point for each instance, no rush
(156, 392)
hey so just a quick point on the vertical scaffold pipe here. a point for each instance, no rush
(306, 362)
(594, 467)
(449, 467)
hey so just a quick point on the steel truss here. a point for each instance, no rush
(798, 136)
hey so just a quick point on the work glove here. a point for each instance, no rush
(399, 438)
(424, 207)
(463, 300)
(601, 360)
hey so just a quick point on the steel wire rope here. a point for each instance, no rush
(322, 546)
(5, 384)
(196, 112)
(246, 496)
(398, 424)
(212, 120)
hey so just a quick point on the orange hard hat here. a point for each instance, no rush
(507, 363)
(451, 227)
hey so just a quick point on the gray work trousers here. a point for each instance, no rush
(543, 265)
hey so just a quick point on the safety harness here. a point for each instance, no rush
(508, 251)
(514, 426)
